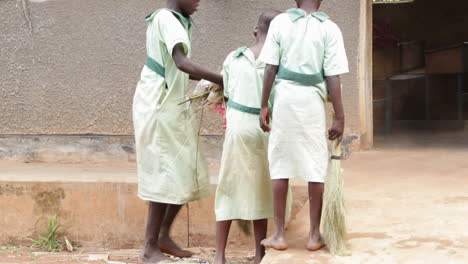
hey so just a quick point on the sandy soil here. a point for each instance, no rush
(407, 202)
(26, 255)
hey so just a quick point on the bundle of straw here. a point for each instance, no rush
(245, 226)
(333, 215)
(206, 91)
(212, 94)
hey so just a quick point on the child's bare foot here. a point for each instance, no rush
(275, 242)
(219, 259)
(152, 255)
(170, 247)
(315, 242)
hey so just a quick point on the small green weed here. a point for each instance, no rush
(52, 239)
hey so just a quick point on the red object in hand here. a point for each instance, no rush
(221, 109)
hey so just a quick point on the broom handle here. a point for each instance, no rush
(336, 147)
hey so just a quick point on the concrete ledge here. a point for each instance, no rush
(82, 148)
(67, 148)
(96, 205)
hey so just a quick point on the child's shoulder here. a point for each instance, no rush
(165, 14)
(162, 14)
(331, 27)
(283, 15)
(235, 54)
(230, 57)
(279, 19)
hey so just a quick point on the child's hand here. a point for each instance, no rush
(265, 119)
(336, 131)
(202, 87)
(216, 96)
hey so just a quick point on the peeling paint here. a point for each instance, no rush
(49, 201)
(8, 189)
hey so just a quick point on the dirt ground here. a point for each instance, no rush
(407, 202)
(26, 255)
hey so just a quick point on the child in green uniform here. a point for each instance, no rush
(171, 172)
(305, 54)
(244, 189)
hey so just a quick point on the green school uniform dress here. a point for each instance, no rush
(306, 47)
(170, 166)
(244, 188)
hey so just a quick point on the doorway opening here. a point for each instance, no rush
(420, 61)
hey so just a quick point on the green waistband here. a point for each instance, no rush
(243, 108)
(304, 79)
(155, 66)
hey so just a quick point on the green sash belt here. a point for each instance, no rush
(155, 66)
(304, 79)
(243, 108)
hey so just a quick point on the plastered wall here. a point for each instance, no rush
(70, 67)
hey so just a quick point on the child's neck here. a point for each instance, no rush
(257, 47)
(309, 6)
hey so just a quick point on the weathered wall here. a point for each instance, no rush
(74, 68)
(102, 213)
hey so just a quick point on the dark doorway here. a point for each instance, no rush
(420, 61)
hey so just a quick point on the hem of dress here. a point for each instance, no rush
(218, 219)
(317, 180)
(203, 195)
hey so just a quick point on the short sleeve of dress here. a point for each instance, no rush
(271, 50)
(172, 32)
(225, 74)
(335, 60)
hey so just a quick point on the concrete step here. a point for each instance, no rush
(97, 205)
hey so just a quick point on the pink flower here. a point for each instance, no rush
(221, 109)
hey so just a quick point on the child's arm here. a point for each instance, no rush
(268, 79)
(335, 64)
(195, 71)
(334, 88)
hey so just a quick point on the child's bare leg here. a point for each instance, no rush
(280, 192)
(151, 253)
(260, 230)
(222, 233)
(166, 244)
(315, 202)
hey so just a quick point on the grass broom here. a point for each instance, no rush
(209, 93)
(245, 226)
(333, 215)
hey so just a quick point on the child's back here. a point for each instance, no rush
(243, 78)
(244, 189)
(304, 53)
(309, 44)
(306, 48)
(244, 164)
